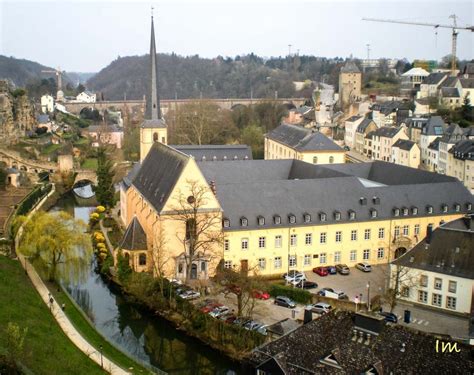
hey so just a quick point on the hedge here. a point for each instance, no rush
(296, 294)
(32, 199)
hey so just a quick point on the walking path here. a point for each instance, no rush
(63, 321)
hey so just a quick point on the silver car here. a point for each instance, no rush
(320, 307)
(365, 267)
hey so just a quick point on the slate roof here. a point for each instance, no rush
(450, 250)
(434, 78)
(450, 92)
(109, 128)
(467, 83)
(302, 139)
(469, 69)
(364, 124)
(43, 119)
(404, 144)
(435, 144)
(216, 152)
(127, 180)
(452, 134)
(354, 118)
(255, 188)
(387, 108)
(134, 237)
(301, 351)
(463, 150)
(350, 67)
(434, 126)
(387, 132)
(450, 82)
(416, 122)
(158, 123)
(159, 173)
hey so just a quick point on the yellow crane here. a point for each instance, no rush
(454, 27)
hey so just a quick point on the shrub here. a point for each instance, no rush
(100, 209)
(296, 294)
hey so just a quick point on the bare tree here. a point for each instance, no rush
(203, 236)
(400, 278)
(159, 257)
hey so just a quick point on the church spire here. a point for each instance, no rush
(153, 110)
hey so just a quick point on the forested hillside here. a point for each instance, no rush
(193, 76)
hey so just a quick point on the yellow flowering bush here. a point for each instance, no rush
(100, 209)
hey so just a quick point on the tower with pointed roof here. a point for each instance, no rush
(153, 129)
(350, 82)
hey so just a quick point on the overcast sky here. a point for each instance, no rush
(87, 35)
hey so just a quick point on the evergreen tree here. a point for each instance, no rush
(105, 174)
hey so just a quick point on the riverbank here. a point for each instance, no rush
(47, 350)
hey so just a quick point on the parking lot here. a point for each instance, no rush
(355, 283)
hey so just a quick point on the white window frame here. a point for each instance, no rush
(323, 237)
(436, 299)
(228, 264)
(451, 302)
(307, 260)
(262, 263)
(366, 254)
(262, 242)
(293, 240)
(339, 236)
(244, 243)
(292, 262)
(353, 256)
(438, 283)
(337, 256)
(381, 233)
(277, 263)
(452, 286)
(354, 235)
(308, 238)
(380, 253)
(278, 241)
(323, 258)
(367, 233)
(422, 296)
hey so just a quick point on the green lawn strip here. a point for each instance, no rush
(47, 350)
(88, 331)
(90, 164)
(51, 148)
(81, 141)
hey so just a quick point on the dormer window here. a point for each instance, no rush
(405, 211)
(363, 201)
(224, 158)
(469, 206)
(322, 216)
(414, 210)
(235, 157)
(226, 223)
(277, 219)
(429, 209)
(444, 208)
(292, 219)
(457, 207)
(261, 220)
(307, 218)
(352, 215)
(373, 213)
(396, 212)
(214, 158)
(376, 200)
(203, 158)
(337, 215)
(243, 221)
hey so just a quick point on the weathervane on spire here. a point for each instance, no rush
(152, 11)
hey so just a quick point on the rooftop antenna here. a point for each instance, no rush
(289, 49)
(368, 51)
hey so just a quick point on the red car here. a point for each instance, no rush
(321, 271)
(210, 307)
(260, 294)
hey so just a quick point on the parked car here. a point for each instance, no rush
(342, 269)
(219, 311)
(305, 284)
(252, 325)
(331, 270)
(210, 307)
(294, 276)
(341, 294)
(321, 271)
(230, 319)
(320, 307)
(258, 294)
(389, 317)
(189, 294)
(366, 267)
(285, 302)
(240, 321)
(262, 330)
(323, 291)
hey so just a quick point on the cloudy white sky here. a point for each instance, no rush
(87, 35)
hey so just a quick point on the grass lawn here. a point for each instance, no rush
(47, 349)
(91, 335)
(50, 149)
(90, 163)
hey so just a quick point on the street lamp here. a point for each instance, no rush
(368, 295)
(101, 356)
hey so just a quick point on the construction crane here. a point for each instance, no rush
(58, 73)
(454, 27)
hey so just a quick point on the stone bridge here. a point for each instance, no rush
(13, 160)
(166, 104)
(85, 175)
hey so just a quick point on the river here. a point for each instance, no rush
(142, 335)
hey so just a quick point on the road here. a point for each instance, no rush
(324, 116)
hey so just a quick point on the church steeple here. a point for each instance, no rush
(153, 109)
(153, 129)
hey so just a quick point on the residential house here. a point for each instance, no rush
(44, 122)
(406, 152)
(432, 161)
(439, 271)
(343, 342)
(368, 144)
(385, 113)
(412, 79)
(297, 116)
(295, 142)
(364, 128)
(450, 97)
(467, 88)
(425, 106)
(430, 85)
(383, 140)
(350, 127)
(47, 104)
(432, 129)
(453, 134)
(105, 134)
(414, 127)
(468, 71)
(461, 163)
(86, 97)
